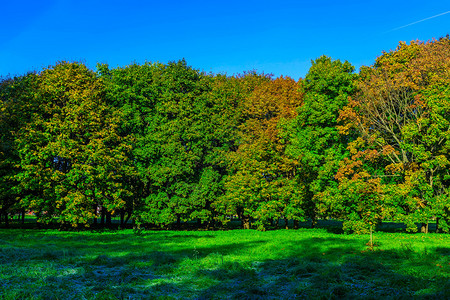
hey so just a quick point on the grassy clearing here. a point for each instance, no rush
(305, 263)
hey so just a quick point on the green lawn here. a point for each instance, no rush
(305, 263)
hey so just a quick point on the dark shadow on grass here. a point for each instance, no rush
(443, 251)
(329, 268)
(367, 275)
(111, 277)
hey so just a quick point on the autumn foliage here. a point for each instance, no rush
(161, 144)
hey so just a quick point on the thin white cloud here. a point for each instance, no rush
(432, 17)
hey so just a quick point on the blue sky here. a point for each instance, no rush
(279, 37)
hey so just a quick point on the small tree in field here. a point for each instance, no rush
(358, 198)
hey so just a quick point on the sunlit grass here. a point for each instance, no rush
(305, 263)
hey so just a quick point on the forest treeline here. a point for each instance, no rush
(161, 144)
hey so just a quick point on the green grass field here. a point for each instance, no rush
(236, 264)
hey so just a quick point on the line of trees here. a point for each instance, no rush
(162, 144)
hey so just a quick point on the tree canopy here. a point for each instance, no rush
(162, 144)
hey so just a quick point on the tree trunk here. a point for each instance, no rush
(102, 216)
(95, 214)
(122, 217)
(6, 219)
(128, 217)
(178, 220)
(437, 225)
(424, 228)
(286, 223)
(210, 224)
(371, 237)
(245, 222)
(295, 224)
(23, 216)
(108, 218)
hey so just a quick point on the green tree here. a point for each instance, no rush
(15, 113)
(132, 90)
(314, 136)
(172, 116)
(72, 157)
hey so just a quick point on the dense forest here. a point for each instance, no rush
(160, 144)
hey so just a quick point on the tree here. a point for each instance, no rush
(132, 91)
(72, 157)
(15, 113)
(359, 198)
(261, 183)
(315, 140)
(402, 109)
(170, 112)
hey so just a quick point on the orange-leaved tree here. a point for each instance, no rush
(402, 109)
(262, 185)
